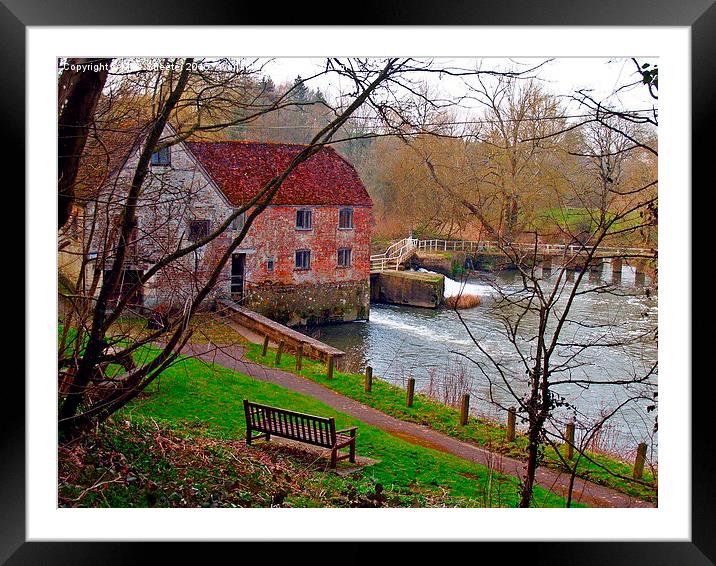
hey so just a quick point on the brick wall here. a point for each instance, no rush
(274, 235)
(176, 194)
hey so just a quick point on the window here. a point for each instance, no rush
(162, 157)
(303, 259)
(270, 264)
(238, 222)
(303, 220)
(198, 230)
(345, 218)
(345, 256)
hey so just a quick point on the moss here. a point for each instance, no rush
(429, 277)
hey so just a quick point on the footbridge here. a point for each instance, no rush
(401, 251)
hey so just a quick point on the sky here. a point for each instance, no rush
(561, 76)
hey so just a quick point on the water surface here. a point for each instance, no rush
(439, 350)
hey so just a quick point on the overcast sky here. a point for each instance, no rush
(562, 76)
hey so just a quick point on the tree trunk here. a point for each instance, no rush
(79, 92)
(532, 454)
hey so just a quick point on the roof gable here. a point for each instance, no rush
(240, 169)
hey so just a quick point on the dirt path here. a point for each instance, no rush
(585, 492)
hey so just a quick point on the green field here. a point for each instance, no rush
(575, 220)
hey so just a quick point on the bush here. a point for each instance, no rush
(462, 301)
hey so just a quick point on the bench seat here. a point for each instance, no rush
(310, 429)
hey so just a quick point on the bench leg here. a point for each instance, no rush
(334, 456)
(248, 437)
(352, 447)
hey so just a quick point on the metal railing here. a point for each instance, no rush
(394, 256)
(402, 250)
(485, 245)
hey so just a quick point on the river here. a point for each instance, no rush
(436, 348)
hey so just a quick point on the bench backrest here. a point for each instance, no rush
(320, 431)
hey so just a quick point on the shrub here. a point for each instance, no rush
(462, 301)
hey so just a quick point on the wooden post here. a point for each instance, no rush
(411, 391)
(329, 363)
(569, 437)
(299, 356)
(368, 379)
(464, 408)
(640, 461)
(266, 343)
(279, 351)
(511, 419)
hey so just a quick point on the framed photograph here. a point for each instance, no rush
(396, 280)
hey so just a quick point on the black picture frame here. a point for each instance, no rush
(698, 15)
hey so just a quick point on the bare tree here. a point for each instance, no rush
(195, 97)
(551, 342)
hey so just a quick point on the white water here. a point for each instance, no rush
(454, 288)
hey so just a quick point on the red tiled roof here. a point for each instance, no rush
(241, 168)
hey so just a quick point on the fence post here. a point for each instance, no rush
(299, 356)
(640, 461)
(511, 419)
(330, 366)
(368, 379)
(279, 351)
(411, 391)
(266, 343)
(464, 408)
(569, 437)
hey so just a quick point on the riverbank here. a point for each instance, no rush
(213, 332)
(390, 399)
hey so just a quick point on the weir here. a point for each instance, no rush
(411, 288)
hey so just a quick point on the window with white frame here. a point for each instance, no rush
(345, 257)
(304, 219)
(303, 259)
(162, 156)
(345, 218)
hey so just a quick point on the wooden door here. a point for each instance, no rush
(238, 271)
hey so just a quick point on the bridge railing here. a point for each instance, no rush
(402, 250)
(394, 255)
(437, 245)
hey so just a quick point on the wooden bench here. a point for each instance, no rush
(318, 431)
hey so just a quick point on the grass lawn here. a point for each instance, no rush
(390, 399)
(195, 399)
(575, 219)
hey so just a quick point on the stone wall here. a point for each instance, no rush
(312, 348)
(408, 288)
(311, 303)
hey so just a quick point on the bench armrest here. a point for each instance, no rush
(350, 429)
